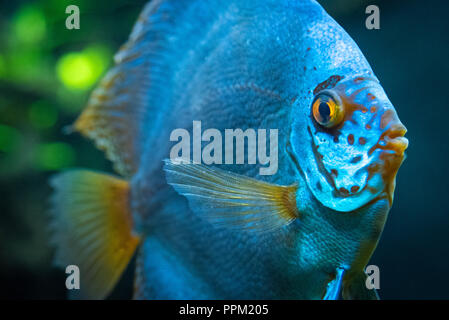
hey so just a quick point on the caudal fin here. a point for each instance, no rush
(92, 229)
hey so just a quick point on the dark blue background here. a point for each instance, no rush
(410, 56)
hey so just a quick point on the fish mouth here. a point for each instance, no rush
(395, 140)
(394, 145)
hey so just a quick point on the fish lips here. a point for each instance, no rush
(393, 140)
(393, 155)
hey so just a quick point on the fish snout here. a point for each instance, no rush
(394, 138)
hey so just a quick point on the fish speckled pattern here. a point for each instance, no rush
(268, 64)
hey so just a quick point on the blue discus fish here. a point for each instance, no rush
(225, 231)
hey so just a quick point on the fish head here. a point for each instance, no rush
(349, 142)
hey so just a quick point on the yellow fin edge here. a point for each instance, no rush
(92, 229)
(233, 200)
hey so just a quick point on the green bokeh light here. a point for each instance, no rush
(2, 66)
(75, 71)
(26, 65)
(9, 138)
(54, 156)
(42, 115)
(29, 25)
(80, 70)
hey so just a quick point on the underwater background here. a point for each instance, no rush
(47, 73)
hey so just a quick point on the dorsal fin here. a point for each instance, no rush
(118, 107)
(134, 93)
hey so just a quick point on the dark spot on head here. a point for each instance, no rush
(351, 139)
(368, 127)
(356, 159)
(362, 141)
(373, 109)
(336, 139)
(334, 173)
(314, 68)
(370, 96)
(305, 68)
(308, 49)
(328, 84)
(319, 187)
(354, 189)
(293, 100)
(344, 191)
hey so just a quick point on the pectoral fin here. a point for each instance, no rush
(233, 200)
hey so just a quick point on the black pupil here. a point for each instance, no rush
(324, 111)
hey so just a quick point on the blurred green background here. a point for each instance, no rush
(47, 73)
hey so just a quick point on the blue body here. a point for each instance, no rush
(246, 64)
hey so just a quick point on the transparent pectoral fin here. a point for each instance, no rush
(233, 200)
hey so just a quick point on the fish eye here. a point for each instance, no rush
(327, 110)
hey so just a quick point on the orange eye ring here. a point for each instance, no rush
(327, 110)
